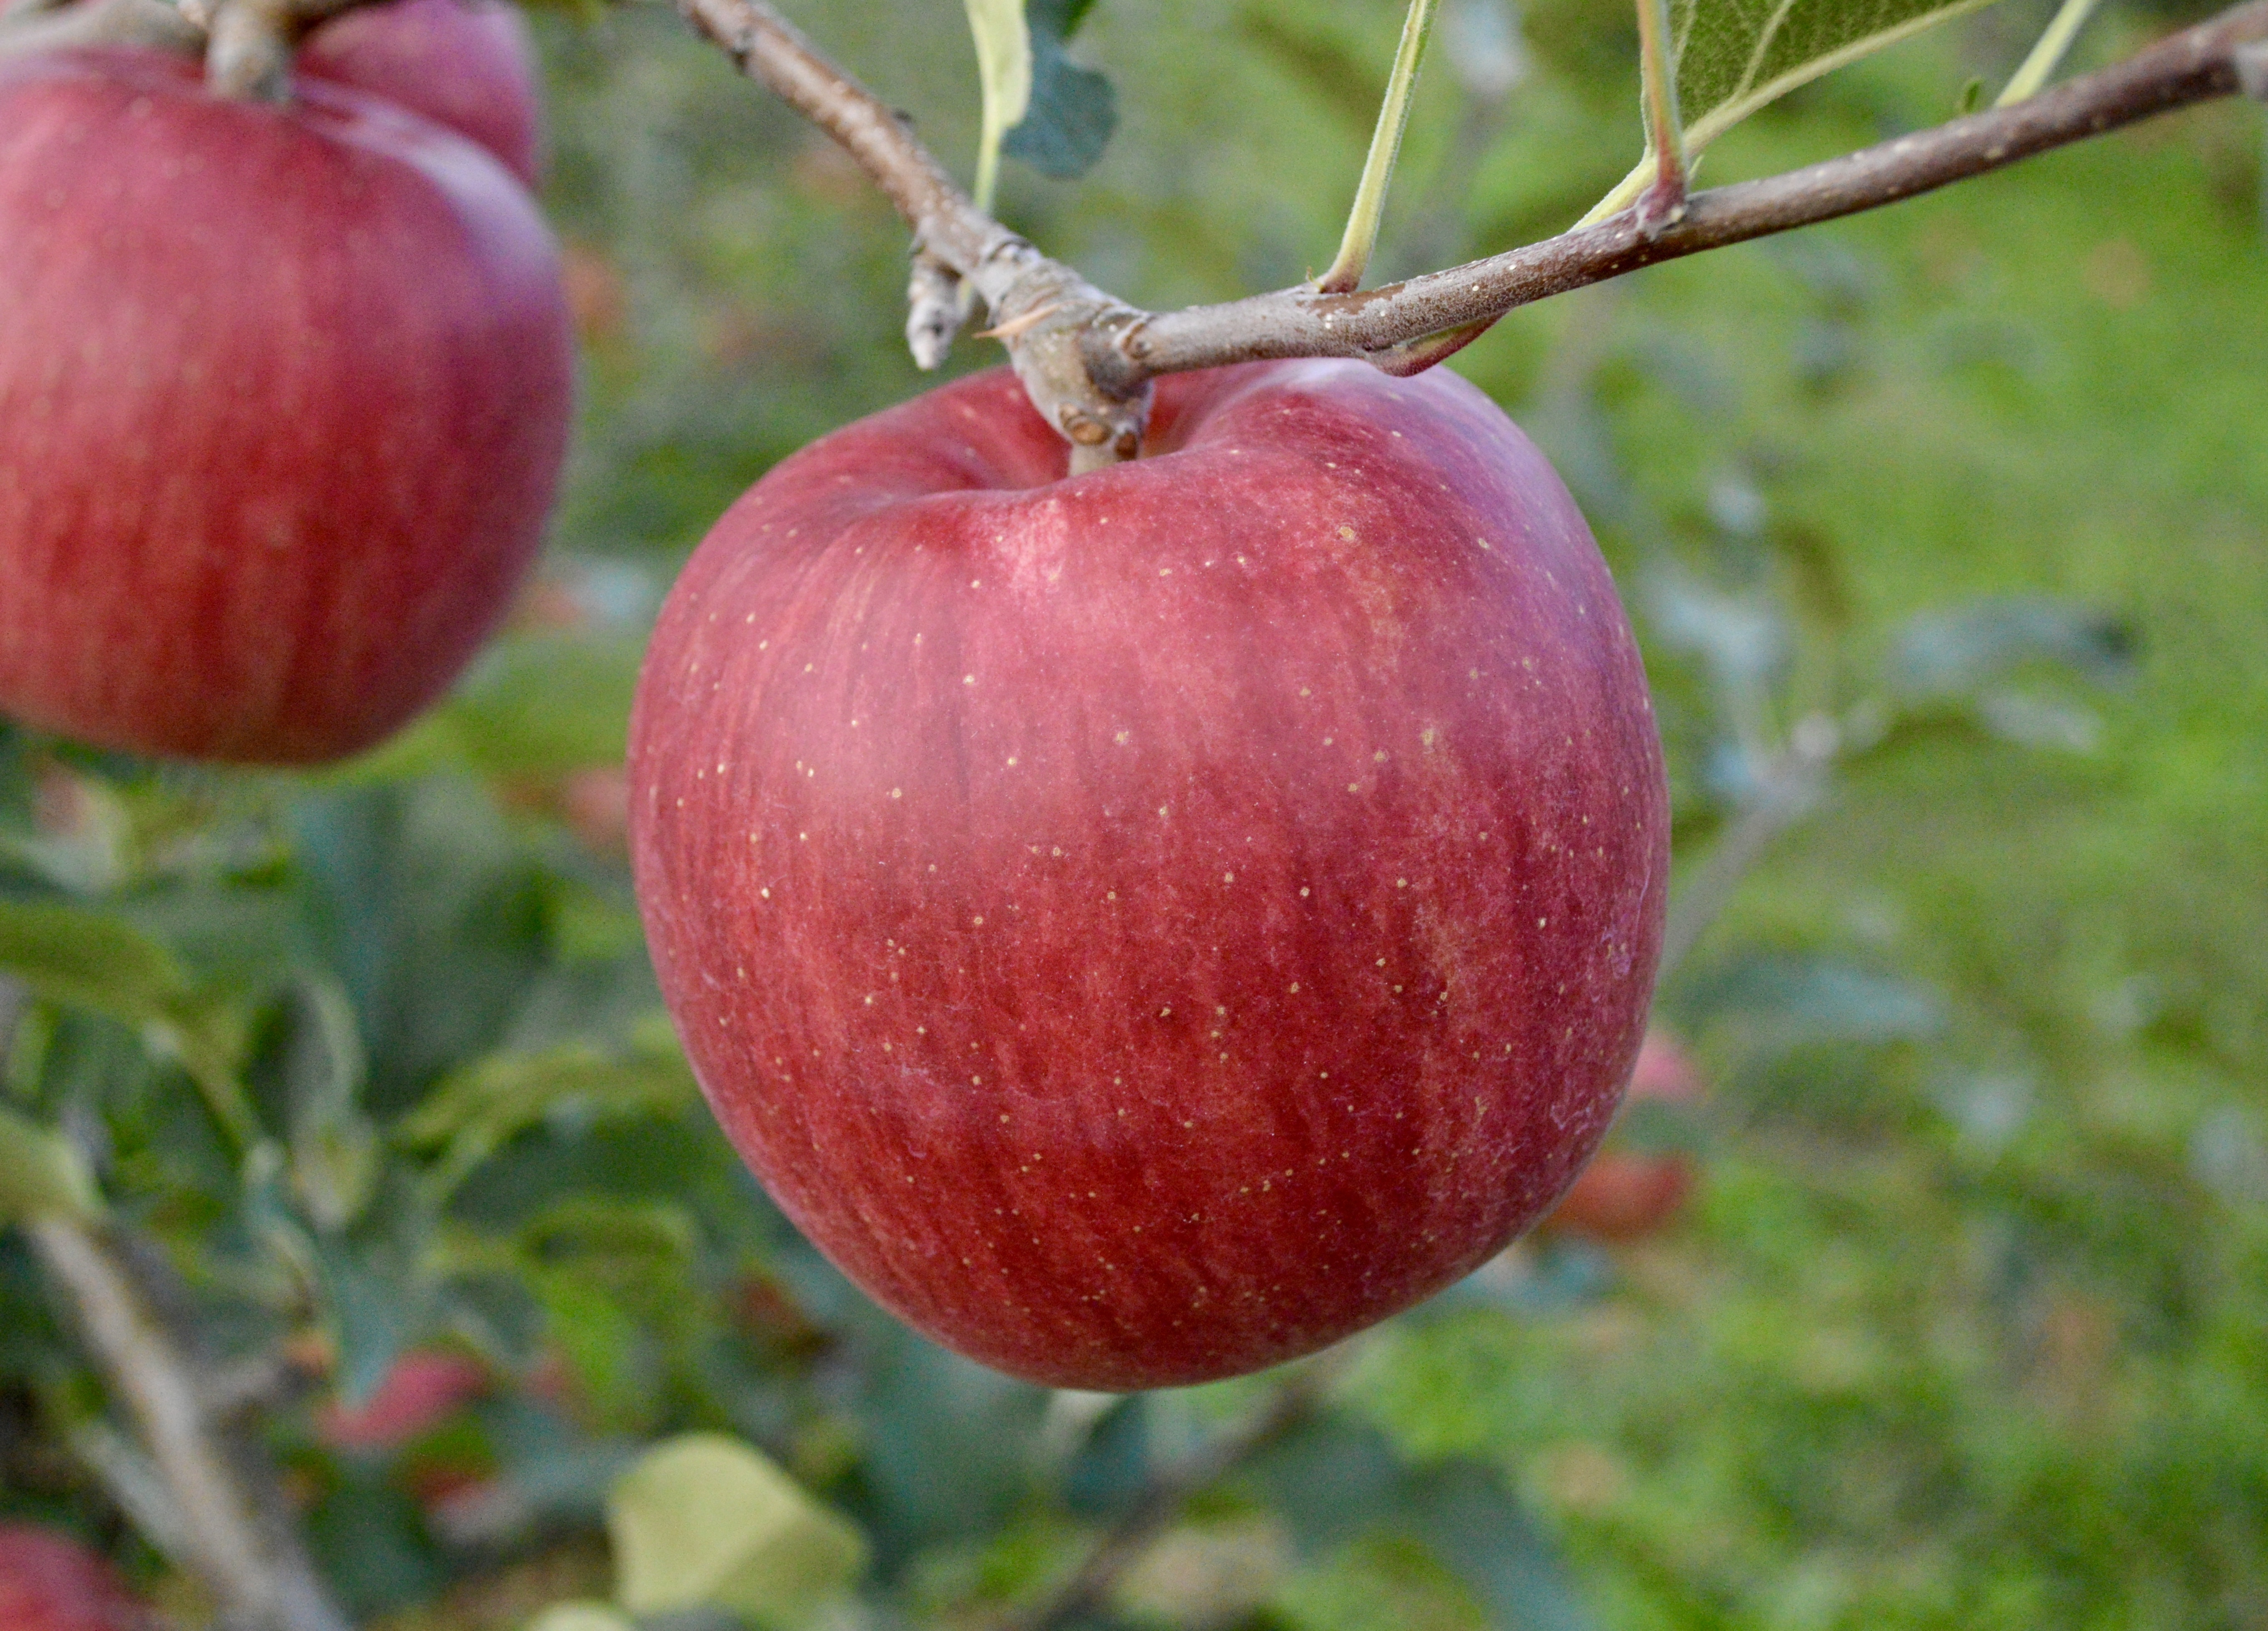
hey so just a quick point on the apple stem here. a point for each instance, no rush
(2043, 56)
(1369, 211)
(1662, 204)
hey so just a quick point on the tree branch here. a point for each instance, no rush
(1160, 1500)
(1040, 308)
(222, 1506)
(2194, 65)
(1087, 359)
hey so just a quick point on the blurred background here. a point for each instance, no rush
(1927, 1283)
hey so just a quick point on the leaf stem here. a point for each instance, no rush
(1663, 201)
(1003, 63)
(1369, 210)
(2049, 51)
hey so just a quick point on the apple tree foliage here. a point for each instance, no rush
(1944, 529)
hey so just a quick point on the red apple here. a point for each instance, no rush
(284, 393)
(1626, 1194)
(467, 64)
(49, 1581)
(421, 1389)
(1146, 925)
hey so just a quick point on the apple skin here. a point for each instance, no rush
(468, 65)
(421, 1389)
(1148, 925)
(49, 1581)
(284, 395)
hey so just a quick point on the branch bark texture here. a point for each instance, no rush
(1040, 308)
(222, 1505)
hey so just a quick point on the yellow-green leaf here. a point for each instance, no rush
(707, 1520)
(1734, 56)
(41, 1174)
(582, 1617)
(1004, 69)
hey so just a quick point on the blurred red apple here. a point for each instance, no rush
(468, 65)
(422, 1389)
(1147, 925)
(283, 394)
(49, 1581)
(1627, 1194)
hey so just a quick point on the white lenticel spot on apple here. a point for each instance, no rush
(900, 793)
(969, 679)
(1229, 877)
(1303, 895)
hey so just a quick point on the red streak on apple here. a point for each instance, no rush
(1147, 925)
(464, 63)
(283, 394)
(49, 1581)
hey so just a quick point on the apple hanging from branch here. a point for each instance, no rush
(1148, 924)
(284, 395)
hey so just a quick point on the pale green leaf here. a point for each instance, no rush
(1734, 56)
(582, 1617)
(706, 1520)
(1004, 69)
(41, 1174)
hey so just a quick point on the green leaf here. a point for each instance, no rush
(533, 705)
(1004, 70)
(1955, 653)
(1336, 1480)
(41, 1174)
(334, 1146)
(581, 1617)
(86, 960)
(1778, 1001)
(706, 1520)
(1073, 110)
(476, 1109)
(1734, 56)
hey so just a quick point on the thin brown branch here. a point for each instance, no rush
(1016, 281)
(2194, 65)
(221, 1502)
(1159, 1502)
